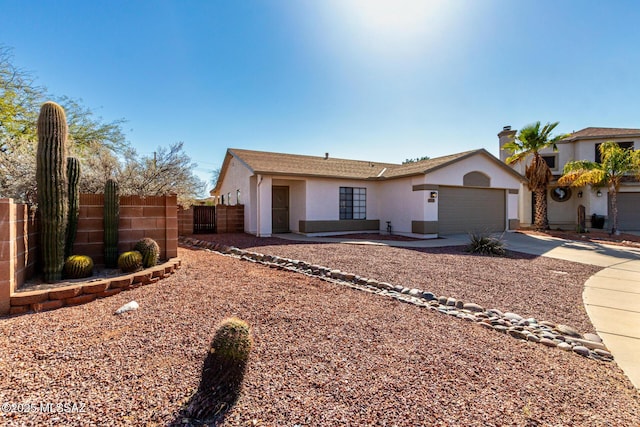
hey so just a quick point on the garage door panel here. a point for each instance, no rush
(465, 210)
(628, 211)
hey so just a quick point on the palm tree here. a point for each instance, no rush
(529, 142)
(616, 163)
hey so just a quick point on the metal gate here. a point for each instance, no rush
(204, 219)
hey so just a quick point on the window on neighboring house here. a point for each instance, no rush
(626, 145)
(353, 203)
(551, 161)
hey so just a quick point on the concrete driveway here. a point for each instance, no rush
(611, 296)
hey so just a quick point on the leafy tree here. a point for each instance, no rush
(417, 159)
(215, 174)
(529, 141)
(18, 171)
(100, 146)
(99, 164)
(167, 171)
(20, 99)
(86, 129)
(616, 163)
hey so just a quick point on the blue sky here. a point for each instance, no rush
(363, 79)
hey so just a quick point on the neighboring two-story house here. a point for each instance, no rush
(563, 202)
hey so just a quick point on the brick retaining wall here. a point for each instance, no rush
(153, 216)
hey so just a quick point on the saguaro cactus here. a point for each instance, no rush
(111, 219)
(51, 177)
(73, 176)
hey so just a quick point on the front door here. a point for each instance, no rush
(280, 209)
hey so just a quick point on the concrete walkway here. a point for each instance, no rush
(611, 296)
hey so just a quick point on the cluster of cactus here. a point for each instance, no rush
(51, 177)
(73, 177)
(222, 372)
(78, 267)
(130, 261)
(111, 220)
(150, 251)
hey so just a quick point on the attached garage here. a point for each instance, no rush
(464, 210)
(628, 211)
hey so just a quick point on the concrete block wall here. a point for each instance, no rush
(18, 248)
(185, 221)
(230, 219)
(151, 216)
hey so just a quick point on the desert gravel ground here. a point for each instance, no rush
(544, 288)
(324, 355)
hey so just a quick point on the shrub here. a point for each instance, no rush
(150, 251)
(78, 267)
(483, 244)
(130, 261)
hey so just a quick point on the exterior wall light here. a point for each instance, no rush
(599, 193)
(579, 194)
(433, 195)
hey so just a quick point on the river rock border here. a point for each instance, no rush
(549, 334)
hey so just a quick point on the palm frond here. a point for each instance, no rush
(517, 157)
(594, 177)
(580, 165)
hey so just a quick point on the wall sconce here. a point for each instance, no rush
(579, 194)
(599, 193)
(433, 195)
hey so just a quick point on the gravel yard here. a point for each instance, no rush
(323, 354)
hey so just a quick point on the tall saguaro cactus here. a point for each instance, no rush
(73, 175)
(111, 220)
(51, 177)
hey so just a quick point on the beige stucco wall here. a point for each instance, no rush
(401, 205)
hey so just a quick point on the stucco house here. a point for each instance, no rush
(563, 202)
(459, 193)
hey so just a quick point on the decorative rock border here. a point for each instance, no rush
(63, 296)
(546, 333)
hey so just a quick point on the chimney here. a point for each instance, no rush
(326, 156)
(505, 136)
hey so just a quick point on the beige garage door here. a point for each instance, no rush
(465, 210)
(629, 211)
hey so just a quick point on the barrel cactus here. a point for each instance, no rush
(222, 372)
(51, 178)
(130, 261)
(78, 267)
(111, 220)
(73, 176)
(150, 251)
(232, 341)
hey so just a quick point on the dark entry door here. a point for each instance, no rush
(280, 209)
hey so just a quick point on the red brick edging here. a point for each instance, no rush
(51, 299)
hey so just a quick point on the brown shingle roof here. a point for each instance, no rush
(591, 132)
(268, 163)
(263, 162)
